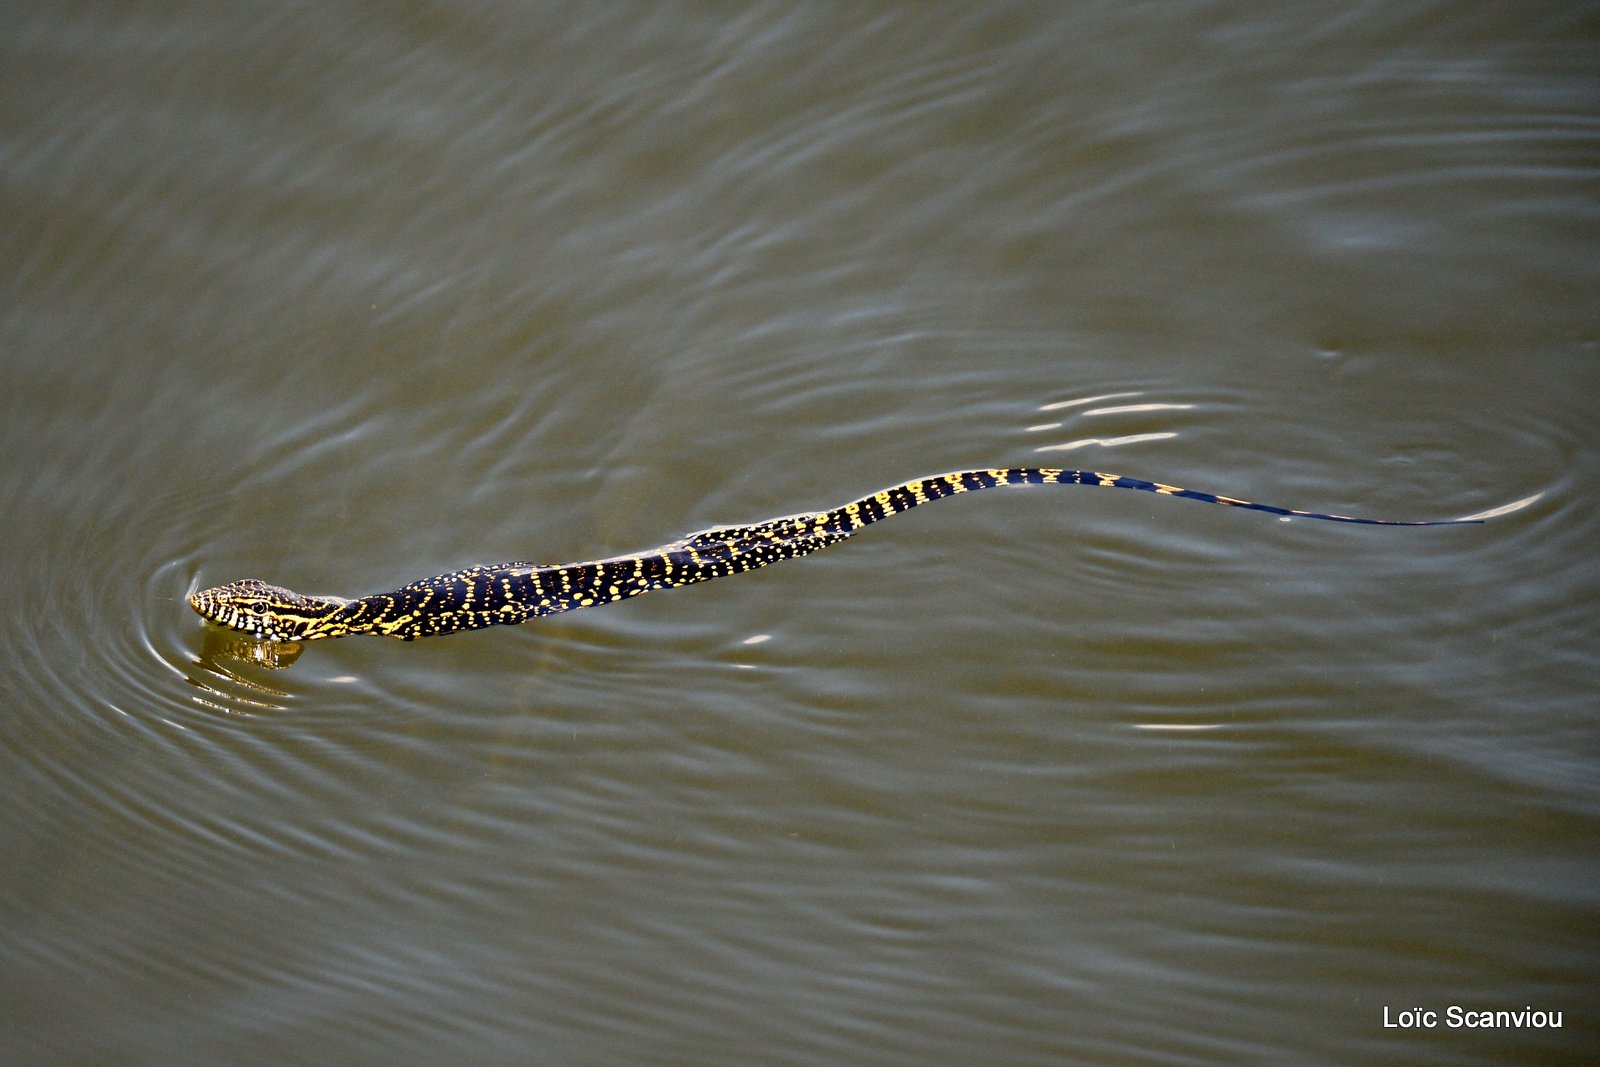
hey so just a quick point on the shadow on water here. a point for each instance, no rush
(219, 646)
(224, 686)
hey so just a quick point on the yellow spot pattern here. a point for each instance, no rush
(516, 592)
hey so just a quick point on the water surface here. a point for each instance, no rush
(341, 296)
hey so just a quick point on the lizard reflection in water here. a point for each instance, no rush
(509, 593)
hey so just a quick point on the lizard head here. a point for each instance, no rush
(269, 612)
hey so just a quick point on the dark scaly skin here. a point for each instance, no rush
(509, 593)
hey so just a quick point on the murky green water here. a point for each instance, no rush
(342, 295)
